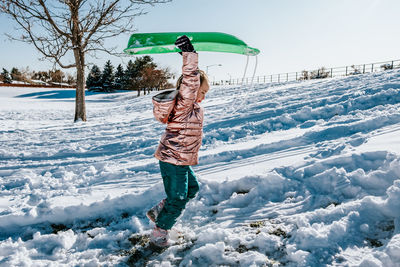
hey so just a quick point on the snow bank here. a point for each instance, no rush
(295, 174)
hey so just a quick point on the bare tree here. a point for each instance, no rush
(58, 27)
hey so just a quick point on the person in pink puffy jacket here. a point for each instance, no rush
(180, 144)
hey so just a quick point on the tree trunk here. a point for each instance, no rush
(80, 108)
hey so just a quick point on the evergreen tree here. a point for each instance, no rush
(133, 75)
(6, 76)
(93, 81)
(15, 74)
(119, 77)
(129, 75)
(107, 77)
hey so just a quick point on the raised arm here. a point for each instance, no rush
(191, 77)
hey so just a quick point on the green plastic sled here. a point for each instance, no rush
(157, 43)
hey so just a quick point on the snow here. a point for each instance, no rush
(292, 174)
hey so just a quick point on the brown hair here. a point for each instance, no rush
(203, 77)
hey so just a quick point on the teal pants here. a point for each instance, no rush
(180, 184)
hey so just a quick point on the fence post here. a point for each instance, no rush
(264, 78)
(287, 77)
(279, 78)
(271, 78)
(346, 70)
(364, 69)
(372, 68)
(392, 64)
(296, 76)
(331, 72)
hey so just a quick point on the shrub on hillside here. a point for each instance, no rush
(387, 66)
(355, 70)
(43, 76)
(305, 75)
(321, 73)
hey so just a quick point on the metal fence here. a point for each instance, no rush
(320, 73)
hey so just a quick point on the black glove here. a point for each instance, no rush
(184, 44)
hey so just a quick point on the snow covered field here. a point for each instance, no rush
(295, 174)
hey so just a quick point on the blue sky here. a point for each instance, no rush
(292, 34)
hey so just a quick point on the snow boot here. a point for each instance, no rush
(159, 237)
(152, 214)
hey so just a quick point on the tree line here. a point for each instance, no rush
(34, 77)
(139, 75)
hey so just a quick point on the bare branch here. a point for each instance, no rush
(96, 22)
(103, 14)
(51, 21)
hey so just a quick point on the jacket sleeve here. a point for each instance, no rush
(190, 84)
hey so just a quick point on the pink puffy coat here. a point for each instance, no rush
(181, 141)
